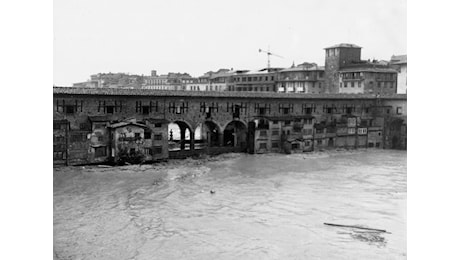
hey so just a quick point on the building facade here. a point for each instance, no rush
(346, 73)
(86, 121)
(304, 78)
(399, 63)
(263, 80)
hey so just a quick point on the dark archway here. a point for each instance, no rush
(235, 135)
(211, 134)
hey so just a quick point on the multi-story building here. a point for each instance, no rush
(113, 80)
(304, 78)
(259, 80)
(400, 64)
(221, 80)
(345, 72)
(154, 81)
(367, 78)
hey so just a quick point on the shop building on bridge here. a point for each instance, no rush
(88, 123)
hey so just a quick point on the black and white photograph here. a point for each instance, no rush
(229, 129)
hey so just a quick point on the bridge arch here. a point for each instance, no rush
(235, 134)
(180, 135)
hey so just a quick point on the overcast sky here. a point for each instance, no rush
(136, 36)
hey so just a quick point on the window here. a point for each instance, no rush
(287, 122)
(157, 124)
(399, 110)
(132, 150)
(263, 146)
(100, 151)
(148, 151)
(388, 111)
(275, 132)
(157, 137)
(329, 110)
(352, 84)
(69, 109)
(145, 110)
(275, 145)
(295, 146)
(109, 109)
(319, 141)
(377, 144)
(371, 145)
(263, 133)
(275, 122)
(285, 110)
(158, 149)
(262, 111)
(137, 135)
(147, 135)
(78, 137)
(349, 110)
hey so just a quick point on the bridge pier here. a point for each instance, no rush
(192, 140)
(182, 138)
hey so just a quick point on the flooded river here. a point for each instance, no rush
(264, 207)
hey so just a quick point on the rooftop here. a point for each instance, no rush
(368, 69)
(398, 59)
(344, 45)
(59, 91)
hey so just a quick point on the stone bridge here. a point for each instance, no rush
(224, 117)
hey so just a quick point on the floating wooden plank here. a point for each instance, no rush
(349, 226)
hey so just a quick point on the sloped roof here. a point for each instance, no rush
(364, 69)
(60, 91)
(344, 45)
(121, 124)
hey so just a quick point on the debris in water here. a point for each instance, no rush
(337, 225)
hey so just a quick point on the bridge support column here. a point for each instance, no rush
(192, 140)
(221, 139)
(182, 138)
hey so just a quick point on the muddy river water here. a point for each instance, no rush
(264, 207)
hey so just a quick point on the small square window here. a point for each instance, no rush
(69, 110)
(263, 145)
(158, 149)
(275, 145)
(147, 135)
(137, 135)
(157, 137)
(145, 110)
(109, 109)
(148, 151)
(399, 110)
(158, 125)
(100, 151)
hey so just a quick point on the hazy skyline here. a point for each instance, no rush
(198, 36)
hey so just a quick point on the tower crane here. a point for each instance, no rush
(269, 53)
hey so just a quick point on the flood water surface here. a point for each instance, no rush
(264, 207)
